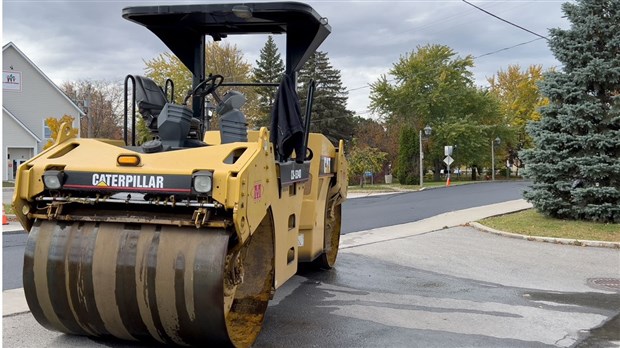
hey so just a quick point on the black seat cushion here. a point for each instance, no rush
(149, 97)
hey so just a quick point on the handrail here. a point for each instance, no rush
(133, 111)
(250, 84)
(309, 99)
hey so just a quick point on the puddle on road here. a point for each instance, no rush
(603, 335)
(606, 335)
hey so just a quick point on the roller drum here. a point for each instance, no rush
(138, 282)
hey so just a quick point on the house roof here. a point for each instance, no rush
(11, 44)
(21, 124)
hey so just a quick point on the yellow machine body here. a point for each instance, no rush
(247, 191)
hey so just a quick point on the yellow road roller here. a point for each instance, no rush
(184, 239)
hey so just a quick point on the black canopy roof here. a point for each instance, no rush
(183, 27)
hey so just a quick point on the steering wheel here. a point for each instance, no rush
(207, 86)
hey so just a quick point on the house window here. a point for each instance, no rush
(47, 132)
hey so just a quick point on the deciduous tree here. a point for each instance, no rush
(102, 101)
(520, 100)
(364, 159)
(221, 59)
(433, 86)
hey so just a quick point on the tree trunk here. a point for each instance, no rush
(438, 167)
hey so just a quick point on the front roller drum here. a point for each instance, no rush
(148, 282)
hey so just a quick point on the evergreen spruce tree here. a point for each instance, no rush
(575, 165)
(269, 68)
(408, 157)
(329, 109)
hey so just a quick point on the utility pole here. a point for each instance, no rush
(89, 118)
(492, 160)
(421, 161)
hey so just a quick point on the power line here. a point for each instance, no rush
(476, 57)
(504, 20)
(507, 48)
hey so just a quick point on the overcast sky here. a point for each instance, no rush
(83, 39)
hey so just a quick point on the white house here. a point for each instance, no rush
(28, 98)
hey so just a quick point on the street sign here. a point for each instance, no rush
(448, 160)
(447, 150)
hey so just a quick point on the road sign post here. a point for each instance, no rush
(448, 160)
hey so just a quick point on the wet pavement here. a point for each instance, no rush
(454, 287)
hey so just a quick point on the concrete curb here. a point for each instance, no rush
(11, 217)
(565, 241)
(20, 231)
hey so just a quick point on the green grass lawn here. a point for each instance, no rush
(8, 209)
(531, 223)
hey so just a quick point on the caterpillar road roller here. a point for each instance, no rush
(184, 239)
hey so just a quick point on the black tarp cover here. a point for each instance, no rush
(287, 131)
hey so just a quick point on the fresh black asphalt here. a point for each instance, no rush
(370, 212)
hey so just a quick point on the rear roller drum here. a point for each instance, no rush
(149, 282)
(333, 216)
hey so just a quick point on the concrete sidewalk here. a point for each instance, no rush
(13, 227)
(14, 302)
(437, 222)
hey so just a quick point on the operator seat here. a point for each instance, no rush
(150, 99)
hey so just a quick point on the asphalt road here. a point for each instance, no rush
(12, 260)
(386, 210)
(448, 288)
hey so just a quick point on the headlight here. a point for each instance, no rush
(203, 181)
(53, 179)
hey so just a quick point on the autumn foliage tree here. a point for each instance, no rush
(379, 135)
(102, 101)
(54, 125)
(364, 159)
(519, 100)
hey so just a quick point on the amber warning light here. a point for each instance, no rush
(128, 160)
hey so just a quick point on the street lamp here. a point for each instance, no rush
(497, 141)
(427, 132)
